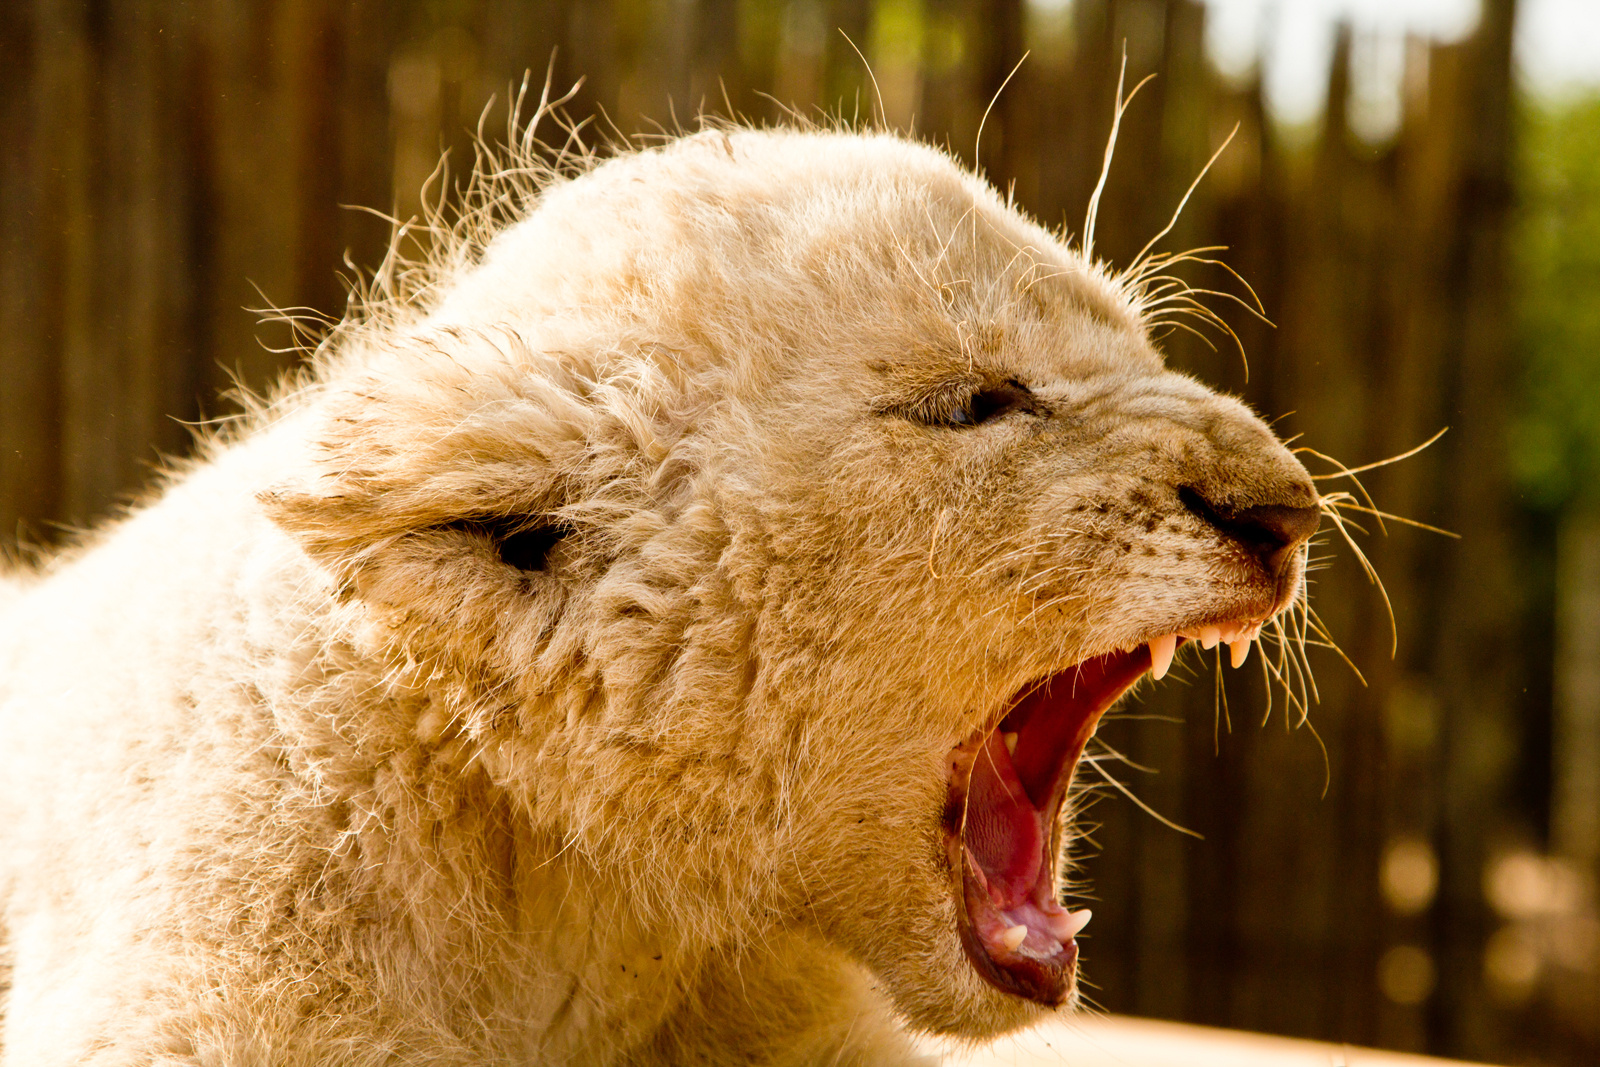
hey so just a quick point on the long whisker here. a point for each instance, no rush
(1146, 808)
(977, 145)
(1361, 488)
(1221, 707)
(1344, 471)
(1119, 757)
(1313, 622)
(1398, 518)
(1105, 166)
(1327, 765)
(1372, 574)
(1134, 266)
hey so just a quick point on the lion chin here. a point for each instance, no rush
(664, 631)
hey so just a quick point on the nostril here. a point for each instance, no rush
(1272, 526)
(1271, 531)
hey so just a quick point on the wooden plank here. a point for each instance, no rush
(29, 378)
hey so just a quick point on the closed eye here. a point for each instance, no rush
(960, 404)
(988, 404)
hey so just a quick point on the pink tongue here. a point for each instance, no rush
(1002, 827)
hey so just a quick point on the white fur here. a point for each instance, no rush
(296, 770)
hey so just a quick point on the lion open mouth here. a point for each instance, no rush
(1002, 824)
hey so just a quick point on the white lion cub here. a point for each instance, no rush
(667, 636)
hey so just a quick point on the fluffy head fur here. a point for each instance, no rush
(567, 672)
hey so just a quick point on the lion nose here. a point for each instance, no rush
(1272, 532)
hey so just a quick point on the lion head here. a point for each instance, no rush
(773, 515)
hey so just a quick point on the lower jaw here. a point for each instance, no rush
(1015, 892)
(1045, 973)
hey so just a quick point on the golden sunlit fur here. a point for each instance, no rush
(563, 671)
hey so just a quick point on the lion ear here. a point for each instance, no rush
(435, 444)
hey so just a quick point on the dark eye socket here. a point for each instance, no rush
(990, 403)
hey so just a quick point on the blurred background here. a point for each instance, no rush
(1414, 193)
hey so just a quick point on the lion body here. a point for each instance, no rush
(304, 763)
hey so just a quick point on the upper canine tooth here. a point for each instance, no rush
(1161, 650)
(1010, 740)
(1209, 636)
(1012, 939)
(1238, 650)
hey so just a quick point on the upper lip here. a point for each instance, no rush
(1008, 784)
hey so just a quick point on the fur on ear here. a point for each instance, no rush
(455, 430)
(465, 485)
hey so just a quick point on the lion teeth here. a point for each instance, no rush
(1010, 740)
(1209, 636)
(1065, 925)
(1161, 652)
(1239, 650)
(1012, 939)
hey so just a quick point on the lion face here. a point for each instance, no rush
(777, 514)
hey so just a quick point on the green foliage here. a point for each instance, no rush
(1555, 444)
(897, 32)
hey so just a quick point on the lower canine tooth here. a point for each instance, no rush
(1161, 650)
(1238, 650)
(1065, 925)
(1013, 938)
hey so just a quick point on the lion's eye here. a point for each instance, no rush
(521, 541)
(991, 403)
